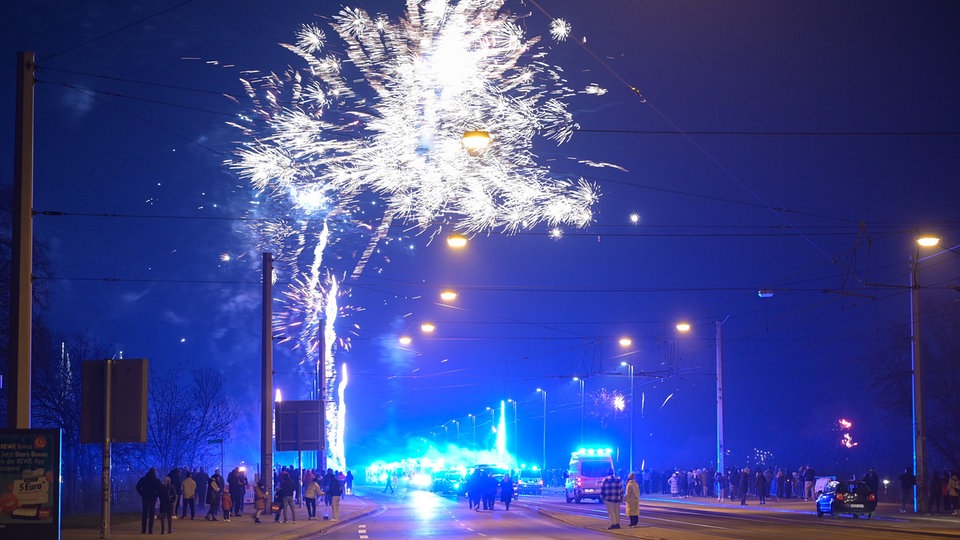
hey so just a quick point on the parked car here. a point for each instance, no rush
(847, 497)
(449, 481)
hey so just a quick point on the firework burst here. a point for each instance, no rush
(444, 70)
(376, 120)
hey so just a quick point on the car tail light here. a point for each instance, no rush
(840, 497)
(579, 482)
(872, 497)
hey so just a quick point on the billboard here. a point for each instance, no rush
(30, 483)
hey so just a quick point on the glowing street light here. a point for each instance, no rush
(476, 141)
(457, 241)
(544, 464)
(683, 327)
(427, 327)
(405, 340)
(928, 241)
(448, 295)
(625, 342)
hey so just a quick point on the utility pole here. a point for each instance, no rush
(21, 274)
(266, 376)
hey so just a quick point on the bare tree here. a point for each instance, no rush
(941, 380)
(182, 414)
(56, 404)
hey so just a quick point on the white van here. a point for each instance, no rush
(588, 467)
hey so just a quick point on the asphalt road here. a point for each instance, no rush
(373, 515)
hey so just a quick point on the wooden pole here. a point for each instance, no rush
(21, 286)
(266, 376)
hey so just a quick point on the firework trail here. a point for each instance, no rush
(380, 118)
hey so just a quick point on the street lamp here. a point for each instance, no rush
(720, 450)
(633, 407)
(516, 432)
(448, 295)
(474, 418)
(916, 375)
(493, 424)
(457, 241)
(458, 431)
(579, 380)
(476, 141)
(544, 464)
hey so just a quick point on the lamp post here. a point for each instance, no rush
(579, 380)
(633, 408)
(474, 418)
(916, 376)
(457, 422)
(516, 432)
(720, 450)
(544, 463)
(493, 424)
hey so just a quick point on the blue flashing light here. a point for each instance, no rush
(593, 452)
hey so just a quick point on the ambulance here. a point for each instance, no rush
(588, 467)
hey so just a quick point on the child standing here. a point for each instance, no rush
(226, 502)
(259, 501)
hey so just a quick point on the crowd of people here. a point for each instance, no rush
(183, 491)
(482, 488)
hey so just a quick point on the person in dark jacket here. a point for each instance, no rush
(936, 492)
(506, 490)
(168, 501)
(473, 490)
(175, 481)
(149, 489)
(285, 493)
(873, 480)
(907, 482)
(763, 488)
(744, 485)
(335, 490)
(214, 487)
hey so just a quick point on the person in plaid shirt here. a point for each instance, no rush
(611, 491)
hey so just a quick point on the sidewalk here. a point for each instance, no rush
(242, 527)
(885, 511)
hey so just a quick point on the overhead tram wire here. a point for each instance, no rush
(142, 83)
(759, 231)
(119, 29)
(771, 133)
(93, 95)
(691, 140)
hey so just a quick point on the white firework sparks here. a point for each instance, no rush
(384, 117)
(447, 69)
(560, 29)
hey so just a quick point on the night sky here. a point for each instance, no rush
(790, 146)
